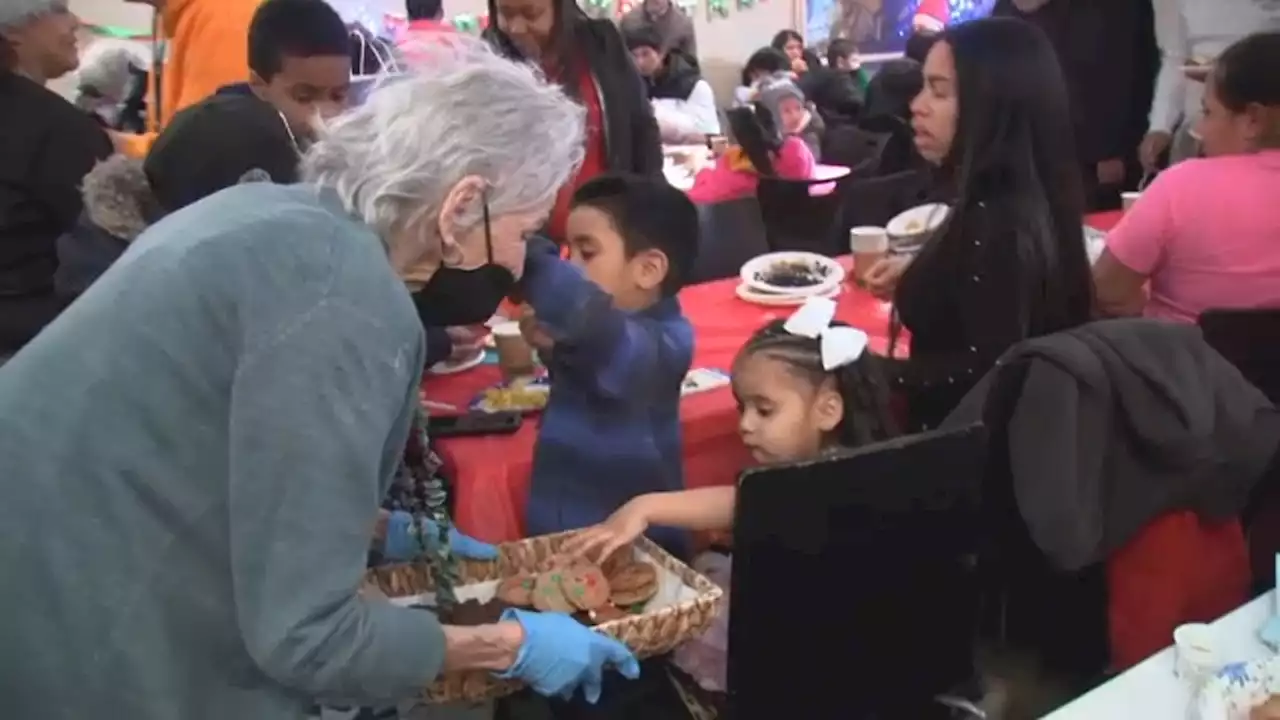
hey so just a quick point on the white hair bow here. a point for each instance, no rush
(839, 345)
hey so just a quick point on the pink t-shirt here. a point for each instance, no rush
(1207, 234)
(721, 183)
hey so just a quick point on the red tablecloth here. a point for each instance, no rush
(491, 474)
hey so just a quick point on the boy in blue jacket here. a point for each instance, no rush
(609, 327)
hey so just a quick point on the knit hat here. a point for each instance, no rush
(217, 143)
(931, 15)
(14, 12)
(776, 89)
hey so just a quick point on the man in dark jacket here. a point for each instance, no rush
(838, 89)
(683, 103)
(1109, 58)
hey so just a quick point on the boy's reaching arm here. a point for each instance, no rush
(622, 353)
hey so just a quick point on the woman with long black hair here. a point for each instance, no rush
(588, 58)
(1009, 262)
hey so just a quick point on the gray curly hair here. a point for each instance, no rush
(469, 112)
(17, 12)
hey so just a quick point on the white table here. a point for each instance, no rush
(1152, 686)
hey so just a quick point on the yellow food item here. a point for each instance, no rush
(516, 397)
(915, 226)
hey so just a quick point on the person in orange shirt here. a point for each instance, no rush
(205, 46)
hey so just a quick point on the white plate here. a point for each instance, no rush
(1238, 688)
(831, 272)
(919, 220)
(449, 368)
(747, 294)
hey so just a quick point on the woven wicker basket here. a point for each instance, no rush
(647, 634)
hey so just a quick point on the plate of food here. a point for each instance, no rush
(909, 229)
(795, 274)
(768, 299)
(1242, 691)
(526, 395)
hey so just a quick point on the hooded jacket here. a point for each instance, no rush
(1116, 423)
(206, 46)
(117, 204)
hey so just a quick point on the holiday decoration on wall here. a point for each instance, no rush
(470, 23)
(746, 4)
(717, 9)
(599, 9)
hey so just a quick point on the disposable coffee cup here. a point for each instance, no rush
(515, 355)
(1127, 199)
(1196, 657)
(869, 245)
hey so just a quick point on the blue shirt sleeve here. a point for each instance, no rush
(620, 354)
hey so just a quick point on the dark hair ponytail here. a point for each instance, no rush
(860, 384)
(1245, 74)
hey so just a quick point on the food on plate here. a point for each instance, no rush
(585, 587)
(1269, 710)
(793, 273)
(548, 594)
(518, 589)
(613, 589)
(915, 226)
(517, 396)
(632, 584)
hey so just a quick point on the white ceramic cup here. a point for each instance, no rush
(1196, 656)
(869, 244)
(1127, 199)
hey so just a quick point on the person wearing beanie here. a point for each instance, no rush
(683, 102)
(765, 63)
(46, 147)
(209, 146)
(787, 104)
(761, 149)
(206, 46)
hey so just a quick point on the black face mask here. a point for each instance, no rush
(464, 297)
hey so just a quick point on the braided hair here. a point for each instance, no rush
(860, 384)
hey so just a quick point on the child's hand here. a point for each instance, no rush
(622, 528)
(882, 278)
(533, 334)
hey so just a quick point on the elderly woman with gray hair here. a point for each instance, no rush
(46, 147)
(197, 447)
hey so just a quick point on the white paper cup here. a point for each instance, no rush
(1127, 199)
(869, 245)
(1196, 656)
(868, 239)
(515, 356)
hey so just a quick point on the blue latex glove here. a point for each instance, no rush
(400, 544)
(560, 654)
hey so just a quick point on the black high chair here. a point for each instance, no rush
(854, 596)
